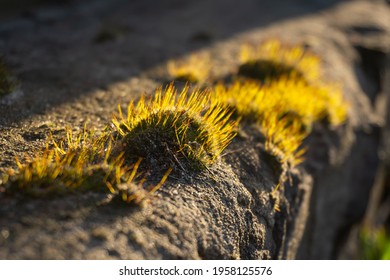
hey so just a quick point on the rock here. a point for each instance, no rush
(227, 211)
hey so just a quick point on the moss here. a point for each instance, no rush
(289, 99)
(175, 127)
(375, 244)
(195, 69)
(79, 163)
(187, 78)
(267, 70)
(159, 145)
(274, 59)
(34, 182)
(191, 128)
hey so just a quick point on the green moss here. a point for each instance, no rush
(183, 129)
(70, 179)
(176, 141)
(266, 70)
(80, 163)
(186, 130)
(375, 244)
(187, 78)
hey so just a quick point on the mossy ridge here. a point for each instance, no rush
(81, 162)
(251, 100)
(295, 75)
(286, 109)
(46, 176)
(186, 124)
(72, 163)
(311, 103)
(191, 129)
(282, 127)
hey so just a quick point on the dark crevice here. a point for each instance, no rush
(370, 71)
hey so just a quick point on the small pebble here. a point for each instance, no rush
(4, 233)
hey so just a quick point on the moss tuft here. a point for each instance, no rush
(273, 60)
(375, 244)
(285, 109)
(195, 69)
(182, 129)
(79, 163)
(189, 129)
(267, 70)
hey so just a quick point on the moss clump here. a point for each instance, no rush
(7, 83)
(273, 60)
(290, 99)
(45, 176)
(195, 69)
(184, 129)
(241, 97)
(77, 164)
(267, 70)
(191, 128)
(375, 244)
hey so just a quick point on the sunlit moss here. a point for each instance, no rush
(285, 109)
(267, 70)
(273, 60)
(191, 128)
(255, 103)
(310, 103)
(77, 162)
(375, 244)
(81, 162)
(280, 87)
(241, 97)
(181, 125)
(194, 69)
(284, 137)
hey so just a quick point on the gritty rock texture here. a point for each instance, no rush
(75, 62)
(215, 214)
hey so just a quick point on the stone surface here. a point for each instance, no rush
(68, 78)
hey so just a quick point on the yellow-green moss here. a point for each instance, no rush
(273, 60)
(194, 69)
(76, 164)
(267, 70)
(288, 100)
(375, 244)
(191, 128)
(176, 126)
(282, 126)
